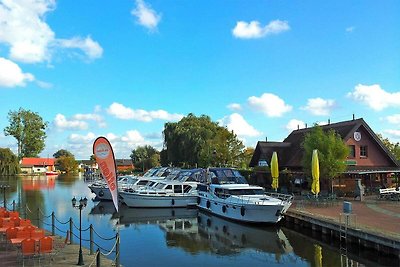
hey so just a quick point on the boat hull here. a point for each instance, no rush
(244, 212)
(101, 193)
(150, 201)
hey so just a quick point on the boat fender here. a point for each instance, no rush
(173, 202)
(223, 208)
(242, 211)
(101, 193)
(208, 204)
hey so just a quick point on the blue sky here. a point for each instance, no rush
(122, 69)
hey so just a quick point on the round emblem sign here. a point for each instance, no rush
(102, 151)
(357, 136)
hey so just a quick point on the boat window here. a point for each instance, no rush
(169, 187)
(186, 188)
(238, 192)
(177, 189)
(142, 182)
(160, 186)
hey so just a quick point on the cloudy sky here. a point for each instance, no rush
(123, 68)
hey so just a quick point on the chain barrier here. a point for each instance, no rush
(100, 247)
(55, 217)
(94, 259)
(107, 239)
(112, 250)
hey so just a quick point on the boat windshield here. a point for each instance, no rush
(227, 176)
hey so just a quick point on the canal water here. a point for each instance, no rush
(175, 237)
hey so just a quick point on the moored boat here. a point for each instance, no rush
(228, 194)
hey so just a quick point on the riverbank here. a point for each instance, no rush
(373, 223)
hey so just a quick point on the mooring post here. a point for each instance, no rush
(117, 251)
(98, 258)
(70, 230)
(38, 217)
(13, 205)
(91, 239)
(53, 224)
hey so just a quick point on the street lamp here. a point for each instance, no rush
(82, 203)
(4, 187)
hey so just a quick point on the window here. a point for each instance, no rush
(177, 189)
(352, 151)
(363, 151)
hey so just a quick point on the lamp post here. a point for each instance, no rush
(4, 187)
(82, 203)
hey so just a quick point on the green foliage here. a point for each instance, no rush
(9, 164)
(67, 164)
(197, 141)
(28, 128)
(145, 157)
(332, 152)
(62, 152)
(394, 148)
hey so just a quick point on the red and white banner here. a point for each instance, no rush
(105, 159)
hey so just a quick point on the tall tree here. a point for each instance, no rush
(28, 128)
(67, 164)
(62, 152)
(145, 157)
(394, 148)
(199, 141)
(9, 164)
(332, 152)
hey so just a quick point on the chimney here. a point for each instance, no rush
(353, 117)
(266, 139)
(329, 121)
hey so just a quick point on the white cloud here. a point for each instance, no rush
(121, 112)
(375, 97)
(91, 48)
(269, 104)
(146, 16)
(294, 125)
(133, 137)
(44, 85)
(82, 139)
(350, 29)
(30, 38)
(234, 107)
(62, 123)
(93, 117)
(236, 123)
(254, 30)
(393, 119)
(11, 74)
(393, 133)
(319, 106)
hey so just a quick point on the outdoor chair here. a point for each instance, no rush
(11, 233)
(23, 234)
(12, 214)
(45, 247)
(4, 214)
(37, 233)
(29, 228)
(28, 249)
(16, 220)
(24, 222)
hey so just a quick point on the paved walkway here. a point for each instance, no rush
(66, 255)
(381, 217)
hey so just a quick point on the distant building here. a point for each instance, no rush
(37, 165)
(369, 159)
(124, 165)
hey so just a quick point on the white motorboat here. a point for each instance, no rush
(100, 187)
(178, 192)
(229, 195)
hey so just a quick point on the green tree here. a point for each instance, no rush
(145, 157)
(67, 164)
(394, 148)
(62, 152)
(28, 128)
(332, 152)
(9, 164)
(199, 141)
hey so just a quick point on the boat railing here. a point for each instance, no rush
(283, 197)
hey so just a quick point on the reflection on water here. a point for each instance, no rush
(179, 237)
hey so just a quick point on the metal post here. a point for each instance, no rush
(53, 223)
(98, 258)
(117, 251)
(80, 259)
(70, 230)
(38, 217)
(4, 197)
(91, 239)
(13, 205)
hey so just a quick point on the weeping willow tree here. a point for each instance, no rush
(8, 162)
